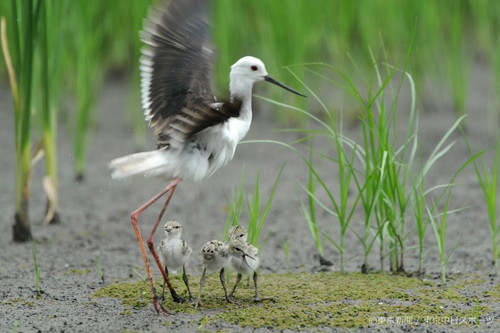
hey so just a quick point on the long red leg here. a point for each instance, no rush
(152, 249)
(134, 217)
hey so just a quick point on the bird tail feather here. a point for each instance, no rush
(144, 163)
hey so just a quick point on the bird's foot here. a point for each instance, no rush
(232, 299)
(158, 306)
(257, 298)
(198, 304)
(176, 297)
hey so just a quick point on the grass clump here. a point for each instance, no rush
(257, 207)
(19, 54)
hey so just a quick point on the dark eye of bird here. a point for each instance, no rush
(254, 68)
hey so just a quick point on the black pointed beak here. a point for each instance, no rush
(268, 78)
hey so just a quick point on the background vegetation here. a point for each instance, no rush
(69, 48)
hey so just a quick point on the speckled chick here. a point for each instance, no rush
(215, 256)
(248, 266)
(174, 251)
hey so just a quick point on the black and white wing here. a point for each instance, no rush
(176, 68)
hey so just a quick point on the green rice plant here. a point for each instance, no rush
(50, 56)
(439, 228)
(97, 264)
(87, 36)
(235, 207)
(419, 212)
(370, 182)
(389, 183)
(338, 206)
(495, 64)
(258, 209)
(38, 287)
(19, 61)
(445, 35)
(131, 16)
(488, 180)
(392, 181)
(458, 60)
(439, 219)
(309, 212)
(386, 167)
(419, 194)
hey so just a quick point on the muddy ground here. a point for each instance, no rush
(95, 222)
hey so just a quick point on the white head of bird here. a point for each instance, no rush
(173, 229)
(245, 72)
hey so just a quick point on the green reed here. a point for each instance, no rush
(381, 165)
(88, 36)
(100, 272)
(38, 283)
(309, 210)
(259, 208)
(19, 54)
(235, 206)
(488, 180)
(439, 218)
(50, 56)
(339, 207)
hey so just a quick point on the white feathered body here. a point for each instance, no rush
(208, 151)
(174, 253)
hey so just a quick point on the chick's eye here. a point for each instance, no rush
(253, 68)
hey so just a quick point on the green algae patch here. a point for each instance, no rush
(320, 300)
(138, 294)
(348, 300)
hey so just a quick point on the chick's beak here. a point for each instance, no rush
(244, 258)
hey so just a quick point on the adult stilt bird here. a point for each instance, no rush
(196, 135)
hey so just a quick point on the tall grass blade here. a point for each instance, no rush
(488, 180)
(38, 287)
(258, 210)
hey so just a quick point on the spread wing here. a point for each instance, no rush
(176, 68)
